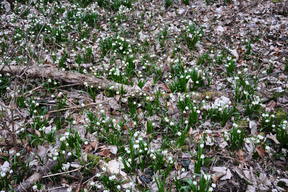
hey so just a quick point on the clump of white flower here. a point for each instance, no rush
(5, 169)
(220, 103)
(284, 125)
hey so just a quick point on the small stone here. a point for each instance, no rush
(149, 172)
(185, 163)
(145, 179)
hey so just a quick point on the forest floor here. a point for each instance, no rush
(144, 95)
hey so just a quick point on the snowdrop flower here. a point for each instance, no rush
(260, 137)
(136, 146)
(207, 177)
(4, 169)
(112, 177)
(34, 187)
(98, 186)
(62, 138)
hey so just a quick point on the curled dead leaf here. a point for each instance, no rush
(261, 152)
(240, 156)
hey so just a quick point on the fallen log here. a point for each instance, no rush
(68, 77)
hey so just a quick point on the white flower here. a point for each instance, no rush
(65, 166)
(98, 186)
(260, 137)
(5, 168)
(164, 152)
(34, 187)
(207, 177)
(136, 146)
(112, 177)
(222, 102)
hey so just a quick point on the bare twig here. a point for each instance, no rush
(61, 173)
(56, 188)
(76, 107)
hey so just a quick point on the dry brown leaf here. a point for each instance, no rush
(104, 152)
(261, 152)
(241, 156)
(271, 105)
(91, 146)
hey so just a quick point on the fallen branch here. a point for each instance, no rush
(68, 77)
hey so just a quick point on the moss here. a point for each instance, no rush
(243, 123)
(280, 114)
(94, 159)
